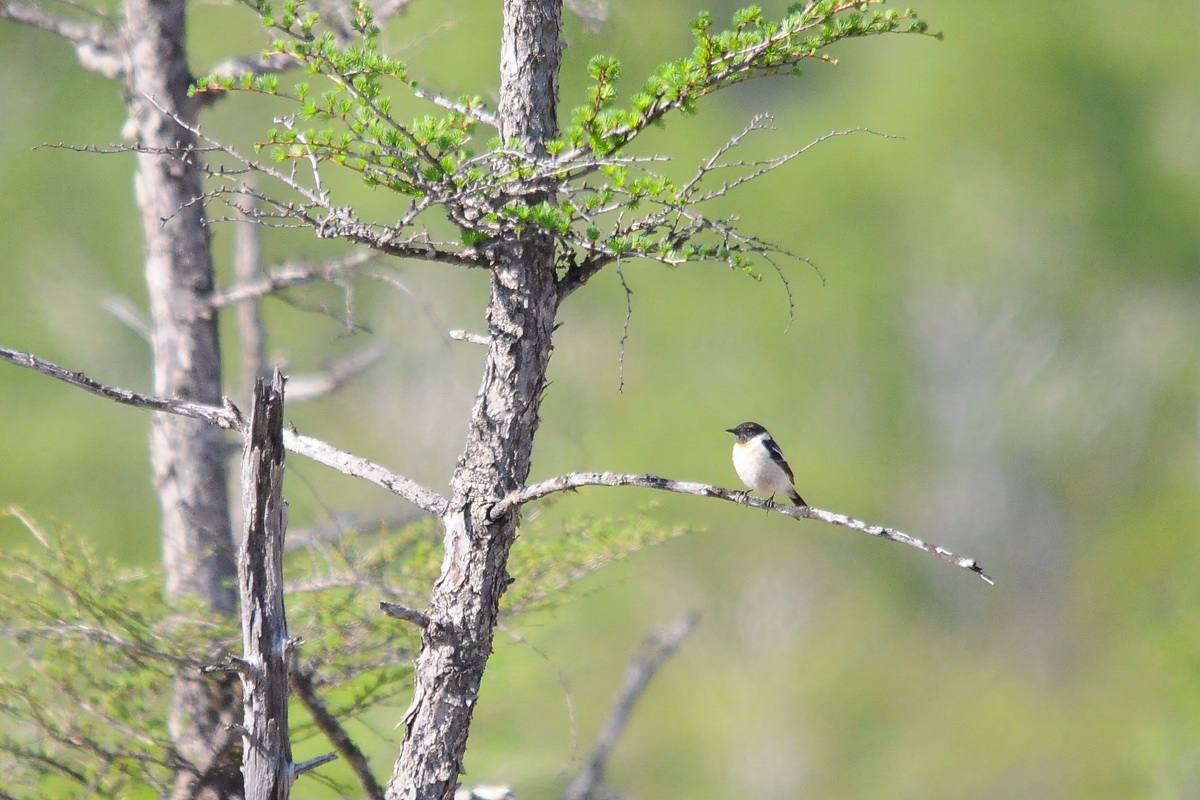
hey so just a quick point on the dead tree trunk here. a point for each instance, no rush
(188, 456)
(267, 754)
(524, 300)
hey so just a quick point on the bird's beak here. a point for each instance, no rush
(731, 430)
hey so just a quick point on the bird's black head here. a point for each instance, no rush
(747, 431)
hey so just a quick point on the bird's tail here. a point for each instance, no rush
(797, 499)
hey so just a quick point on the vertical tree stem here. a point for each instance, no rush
(524, 301)
(267, 749)
(188, 457)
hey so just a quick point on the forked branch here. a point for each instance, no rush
(575, 480)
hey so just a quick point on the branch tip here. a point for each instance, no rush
(466, 336)
(312, 763)
(397, 611)
(230, 664)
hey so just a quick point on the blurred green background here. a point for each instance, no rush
(999, 355)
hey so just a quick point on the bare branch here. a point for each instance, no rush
(290, 275)
(98, 49)
(237, 68)
(227, 418)
(229, 664)
(625, 327)
(306, 388)
(653, 653)
(473, 338)
(757, 122)
(575, 480)
(474, 112)
(312, 763)
(769, 165)
(231, 418)
(302, 685)
(126, 311)
(391, 8)
(405, 613)
(351, 464)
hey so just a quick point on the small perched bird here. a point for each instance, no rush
(760, 463)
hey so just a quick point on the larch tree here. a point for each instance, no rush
(541, 206)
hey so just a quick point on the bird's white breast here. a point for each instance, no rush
(756, 469)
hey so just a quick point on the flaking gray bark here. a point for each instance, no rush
(530, 57)
(524, 300)
(188, 456)
(267, 749)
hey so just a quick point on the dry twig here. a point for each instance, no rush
(654, 652)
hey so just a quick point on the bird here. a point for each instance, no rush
(760, 463)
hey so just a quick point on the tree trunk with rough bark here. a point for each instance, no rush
(188, 456)
(524, 301)
(267, 757)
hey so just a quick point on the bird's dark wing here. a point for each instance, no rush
(777, 457)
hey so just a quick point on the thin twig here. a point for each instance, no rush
(576, 480)
(306, 388)
(313, 763)
(653, 653)
(625, 327)
(572, 722)
(128, 313)
(473, 112)
(338, 524)
(302, 685)
(238, 68)
(290, 275)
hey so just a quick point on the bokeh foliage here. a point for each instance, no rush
(83, 711)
